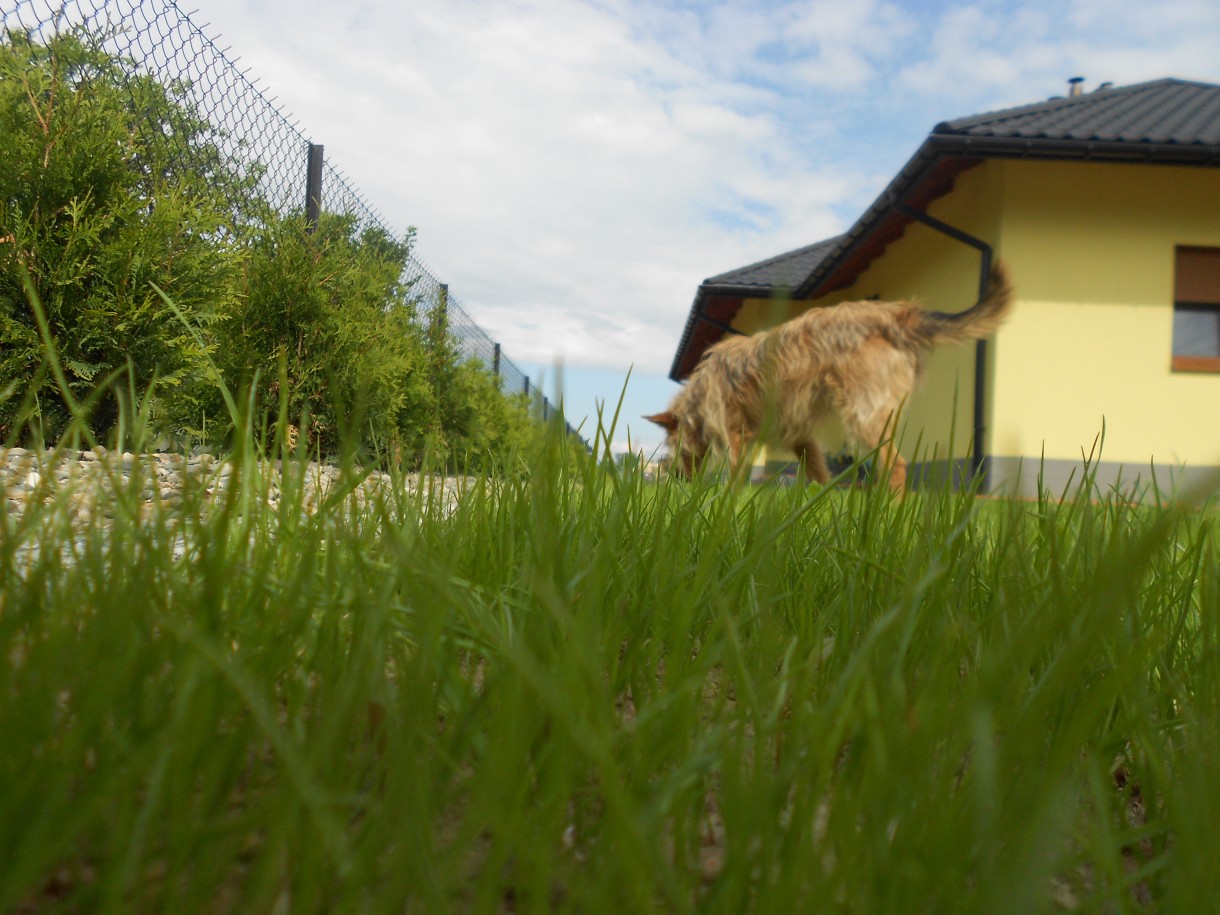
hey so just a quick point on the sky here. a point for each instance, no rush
(575, 168)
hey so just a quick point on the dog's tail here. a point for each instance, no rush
(975, 323)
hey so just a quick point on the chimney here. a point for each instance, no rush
(1075, 86)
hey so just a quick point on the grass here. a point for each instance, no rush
(582, 691)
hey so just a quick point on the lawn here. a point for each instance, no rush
(578, 690)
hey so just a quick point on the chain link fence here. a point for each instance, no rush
(158, 38)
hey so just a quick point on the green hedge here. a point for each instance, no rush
(112, 186)
(94, 210)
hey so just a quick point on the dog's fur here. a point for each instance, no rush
(858, 360)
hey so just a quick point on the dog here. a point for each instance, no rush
(857, 360)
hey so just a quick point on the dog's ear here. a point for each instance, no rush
(665, 420)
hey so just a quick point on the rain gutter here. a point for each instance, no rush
(978, 455)
(720, 325)
(697, 316)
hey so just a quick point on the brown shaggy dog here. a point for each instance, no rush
(858, 360)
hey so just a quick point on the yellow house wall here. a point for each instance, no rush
(760, 314)
(1091, 247)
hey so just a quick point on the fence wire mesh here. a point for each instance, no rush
(159, 39)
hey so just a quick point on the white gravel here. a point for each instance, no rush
(89, 478)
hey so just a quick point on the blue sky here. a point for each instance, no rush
(576, 167)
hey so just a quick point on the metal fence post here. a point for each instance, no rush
(313, 187)
(495, 360)
(437, 328)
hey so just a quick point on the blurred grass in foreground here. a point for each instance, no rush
(579, 690)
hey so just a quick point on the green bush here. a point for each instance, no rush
(325, 322)
(95, 211)
(112, 187)
(474, 424)
(494, 426)
(327, 329)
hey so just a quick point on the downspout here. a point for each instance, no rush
(978, 457)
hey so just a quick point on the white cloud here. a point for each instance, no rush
(993, 54)
(1144, 22)
(577, 167)
(845, 44)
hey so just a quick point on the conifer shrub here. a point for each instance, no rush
(95, 208)
(325, 321)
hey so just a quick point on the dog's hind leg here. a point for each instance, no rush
(879, 434)
(872, 403)
(738, 455)
(897, 465)
(876, 430)
(813, 462)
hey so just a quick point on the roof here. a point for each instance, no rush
(783, 270)
(1164, 122)
(1167, 111)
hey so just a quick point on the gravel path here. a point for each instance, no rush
(90, 476)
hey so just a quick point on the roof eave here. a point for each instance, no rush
(705, 292)
(1069, 149)
(744, 290)
(898, 187)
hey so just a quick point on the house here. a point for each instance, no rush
(1105, 205)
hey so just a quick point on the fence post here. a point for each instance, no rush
(495, 361)
(527, 385)
(313, 187)
(438, 320)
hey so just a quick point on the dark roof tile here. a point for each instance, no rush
(783, 270)
(1166, 111)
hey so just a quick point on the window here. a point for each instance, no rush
(1196, 310)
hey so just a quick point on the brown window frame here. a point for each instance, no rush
(1196, 364)
(1196, 283)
